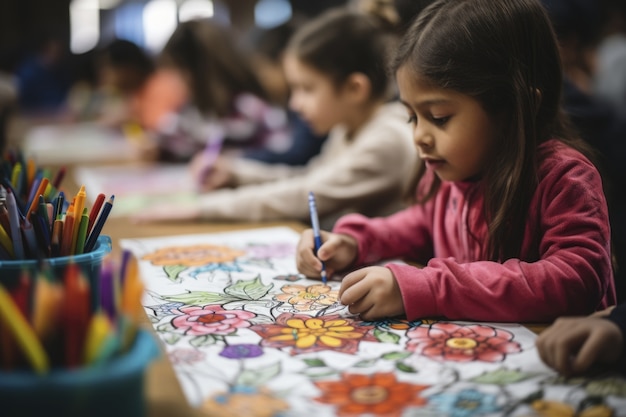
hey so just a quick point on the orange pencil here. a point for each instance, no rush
(40, 191)
(57, 238)
(31, 169)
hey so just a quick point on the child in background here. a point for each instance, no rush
(299, 144)
(510, 219)
(339, 84)
(205, 83)
(572, 345)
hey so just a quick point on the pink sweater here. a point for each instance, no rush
(566, 272)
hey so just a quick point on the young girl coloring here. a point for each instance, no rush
(510, 220)
(339, 85)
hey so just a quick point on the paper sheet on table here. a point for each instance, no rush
(245, 333)
(138, 187)
(77, 143)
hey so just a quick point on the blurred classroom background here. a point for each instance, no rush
(53, 42)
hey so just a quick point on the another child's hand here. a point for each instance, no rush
(337, 251)
(372, 292)
(573, 344)
(211, 175)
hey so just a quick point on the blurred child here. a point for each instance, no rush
(510, 219)
(113, 77)
(339, 85)
(299, 144)
(214, 87)
(573, 345)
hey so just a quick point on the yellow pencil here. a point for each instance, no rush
(22, 333)
(99, 330)
(6, 242)
(79, 205)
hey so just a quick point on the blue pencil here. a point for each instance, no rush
(98, 225)
(14, 220)
(316, 230)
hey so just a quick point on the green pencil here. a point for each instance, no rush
(82, 232)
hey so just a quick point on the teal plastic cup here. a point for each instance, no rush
(90, 263)
(112, 389)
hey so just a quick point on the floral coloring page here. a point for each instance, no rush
(249, 336)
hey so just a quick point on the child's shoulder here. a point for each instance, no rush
(559, 161)
(555, 152)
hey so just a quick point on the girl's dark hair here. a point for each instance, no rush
(504, 54)
(213, 63)
(341, 42)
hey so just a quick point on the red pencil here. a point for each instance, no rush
(68, 232)
(56, 182)
(95, 209)
(76, 314)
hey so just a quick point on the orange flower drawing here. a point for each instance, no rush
(378, 394)
(308, 298)
(245, 401)
(195, 255)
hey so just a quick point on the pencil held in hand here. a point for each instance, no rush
(315, 224)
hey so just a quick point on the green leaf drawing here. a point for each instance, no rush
(248, 290)
(172, 271)
(396, 356)
(405, 368)
(204, 340)
(199, 298)
(366, 363)
(386, 337)
(165, 327)
(607, 386)
(502, 376)
(258, 377)
(314, 362)
(170, 338)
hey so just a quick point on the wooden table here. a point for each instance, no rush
(163, 392)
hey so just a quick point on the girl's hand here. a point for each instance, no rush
(573, 344)
(372, 292)
(211, 174)
(337, 252)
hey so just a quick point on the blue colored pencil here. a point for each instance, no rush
(316, 230)
(98, 225)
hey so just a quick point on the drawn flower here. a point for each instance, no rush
(465, 403)
(377, 394)
(394, 324)
(271, 251)
(558, 409)
(211, 319)
(462, 343)
(241, 351)
(308, 298)
(166, 309)
(312, 334)
(194, 255)
(288, 277)
(244, 401)
(185, 356)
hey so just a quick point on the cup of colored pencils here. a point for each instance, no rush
(71, 340)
